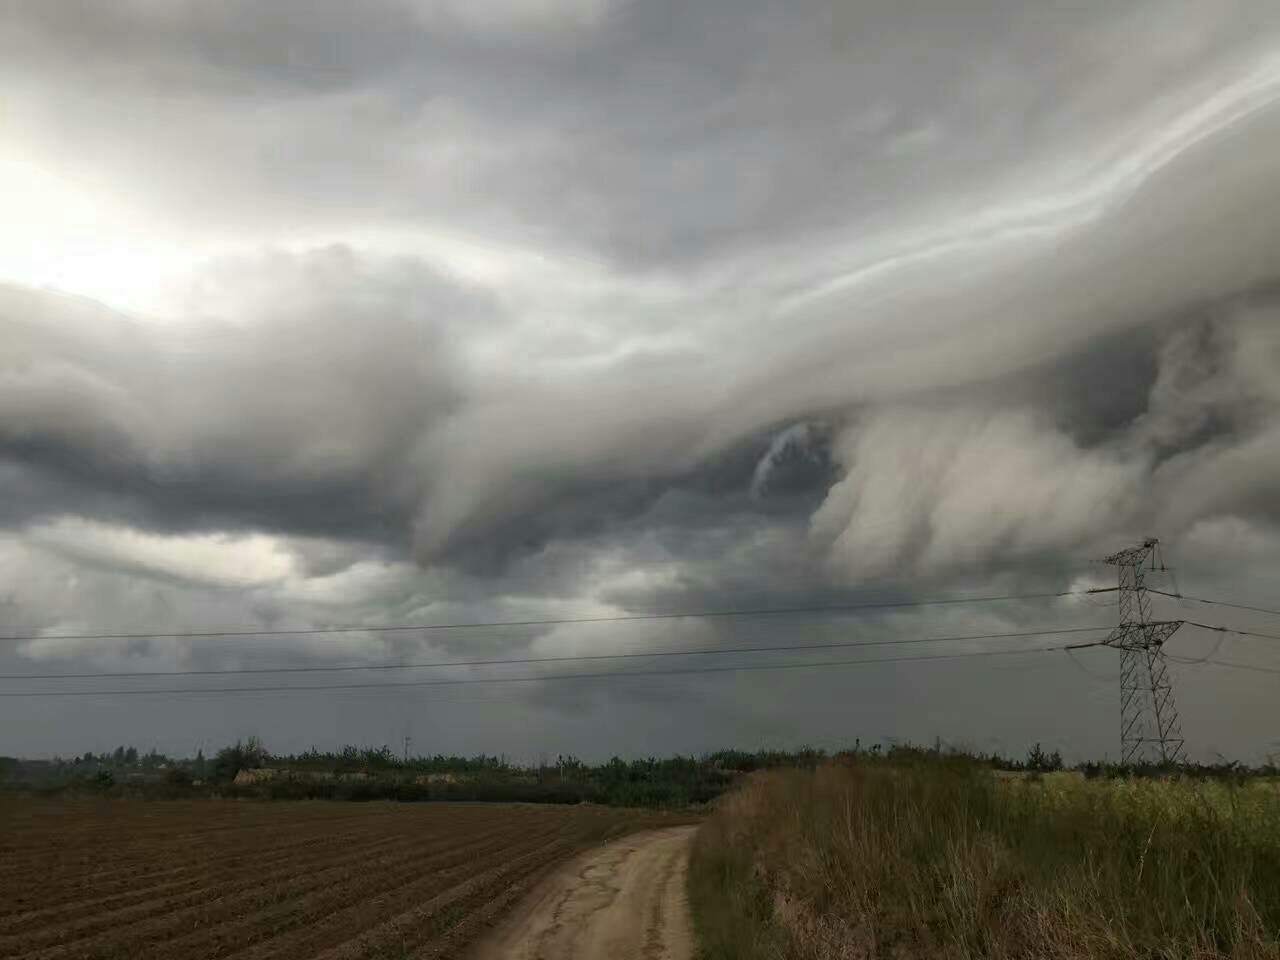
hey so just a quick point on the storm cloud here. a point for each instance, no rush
(531, 310)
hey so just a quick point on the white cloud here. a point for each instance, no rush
(207, 559)
(932, 492)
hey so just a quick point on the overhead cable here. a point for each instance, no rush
(497, 661)
(605, 675)
(550, 621)
(1216, 603)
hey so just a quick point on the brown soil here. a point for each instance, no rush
(277, 881)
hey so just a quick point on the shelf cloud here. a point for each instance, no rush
(519, 309)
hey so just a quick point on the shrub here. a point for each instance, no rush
(241, 756)
(1042, 762)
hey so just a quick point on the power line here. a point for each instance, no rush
(1227, 663)
(1243, 633)
(1209, 658)
(1216, 603)
(606, 675)
(1083, 669)
(716, 651)
(1217, 645)
(557, 621)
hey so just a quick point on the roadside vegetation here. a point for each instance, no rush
(921, 854)
(247, 769)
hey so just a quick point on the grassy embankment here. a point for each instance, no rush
(937, 857)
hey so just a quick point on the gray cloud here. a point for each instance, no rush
(298, 414)
(653, 132)
(515, 309)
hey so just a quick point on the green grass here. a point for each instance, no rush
(936, 857)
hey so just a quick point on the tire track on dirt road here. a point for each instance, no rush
(625, 901)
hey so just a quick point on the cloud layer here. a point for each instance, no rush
(514, 310)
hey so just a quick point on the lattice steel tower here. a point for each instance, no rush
(1149, 728)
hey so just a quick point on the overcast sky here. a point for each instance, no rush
(424, 311)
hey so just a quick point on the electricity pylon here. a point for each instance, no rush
(1149, 728)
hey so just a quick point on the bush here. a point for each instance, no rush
(242, 756)
(1042, 762)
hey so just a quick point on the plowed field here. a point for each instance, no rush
(250, 880)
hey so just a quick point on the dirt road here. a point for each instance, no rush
(624, 901)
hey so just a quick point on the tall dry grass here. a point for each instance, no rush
(938, 858)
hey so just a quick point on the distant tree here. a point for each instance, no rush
(256, 752)
(200, 763)
(1041, 762)
(117, 756)
(377, 759)
(131, 756)
(569, 766)
(244, 755)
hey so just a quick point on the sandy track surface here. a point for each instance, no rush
(623, 901)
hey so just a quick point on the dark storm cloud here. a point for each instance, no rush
(630, 306)
(297, 416)
(299, 427)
